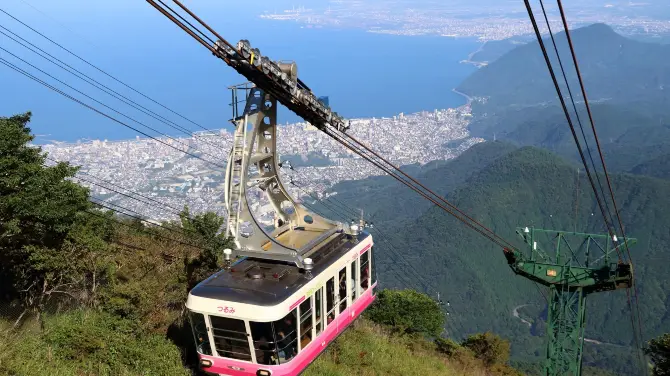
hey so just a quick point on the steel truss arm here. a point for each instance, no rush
(253, 163)
(575, 266)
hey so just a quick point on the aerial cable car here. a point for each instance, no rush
(286, 293)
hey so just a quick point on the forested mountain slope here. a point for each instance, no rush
(526, 186)
(657, 167)
(376, 193)
(626, 83)
(630, 135)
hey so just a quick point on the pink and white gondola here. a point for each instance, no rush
(291, 291)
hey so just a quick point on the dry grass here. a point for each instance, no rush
(366, 349)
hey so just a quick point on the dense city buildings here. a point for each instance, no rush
(496, 21)
(173, 178)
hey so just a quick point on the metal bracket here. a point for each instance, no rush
(253, 162)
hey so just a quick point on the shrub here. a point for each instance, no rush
(407, 311)
(659, 351)
(446, 346)
(488, 347)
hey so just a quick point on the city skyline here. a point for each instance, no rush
(151, 168)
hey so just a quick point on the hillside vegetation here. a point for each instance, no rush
(84, 290)
(511, 187)
(400, 335)
(87, 291)
(369, 349)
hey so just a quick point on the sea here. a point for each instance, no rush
(364, 74)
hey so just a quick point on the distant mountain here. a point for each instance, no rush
(505, 188)
(657, 167)
(614, 68)
(494, 49)
(630, 134)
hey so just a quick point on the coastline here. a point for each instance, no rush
(454, 52)
(469, 60)
(467, 97)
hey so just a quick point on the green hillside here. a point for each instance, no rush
(369, 349)
(657, 167)
(87, 292)
(526, 186)
(630, 135)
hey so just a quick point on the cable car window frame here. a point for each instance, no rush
(365, 277)
(342, 302)
(247, 339)
(256, 342)
(277, 325)
(373, 268)
(318, 311)
(333, 305)
(354, 280)
(206, 333)
(305, 316)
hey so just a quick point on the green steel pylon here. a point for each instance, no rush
(575, 266)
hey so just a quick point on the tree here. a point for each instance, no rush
(488, 347)
(204, 230)
(40, 255)
(407, 311)
(659, 351)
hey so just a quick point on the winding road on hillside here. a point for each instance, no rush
(515, 313)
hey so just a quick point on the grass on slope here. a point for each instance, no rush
(89, 343)
(366, 349)
(86, 343)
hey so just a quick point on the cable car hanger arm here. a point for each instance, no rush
(278, 79)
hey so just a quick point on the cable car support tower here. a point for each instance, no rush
(573, 267)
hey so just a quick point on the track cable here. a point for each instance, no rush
(638, 333)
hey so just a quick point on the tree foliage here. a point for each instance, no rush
(126, 281)
(49, 246)
(407, 311)
(658, 349)
(205, 231)
(151, 283)
(488, 347)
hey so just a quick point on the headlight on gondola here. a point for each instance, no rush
(204, 363)
(263, 372)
